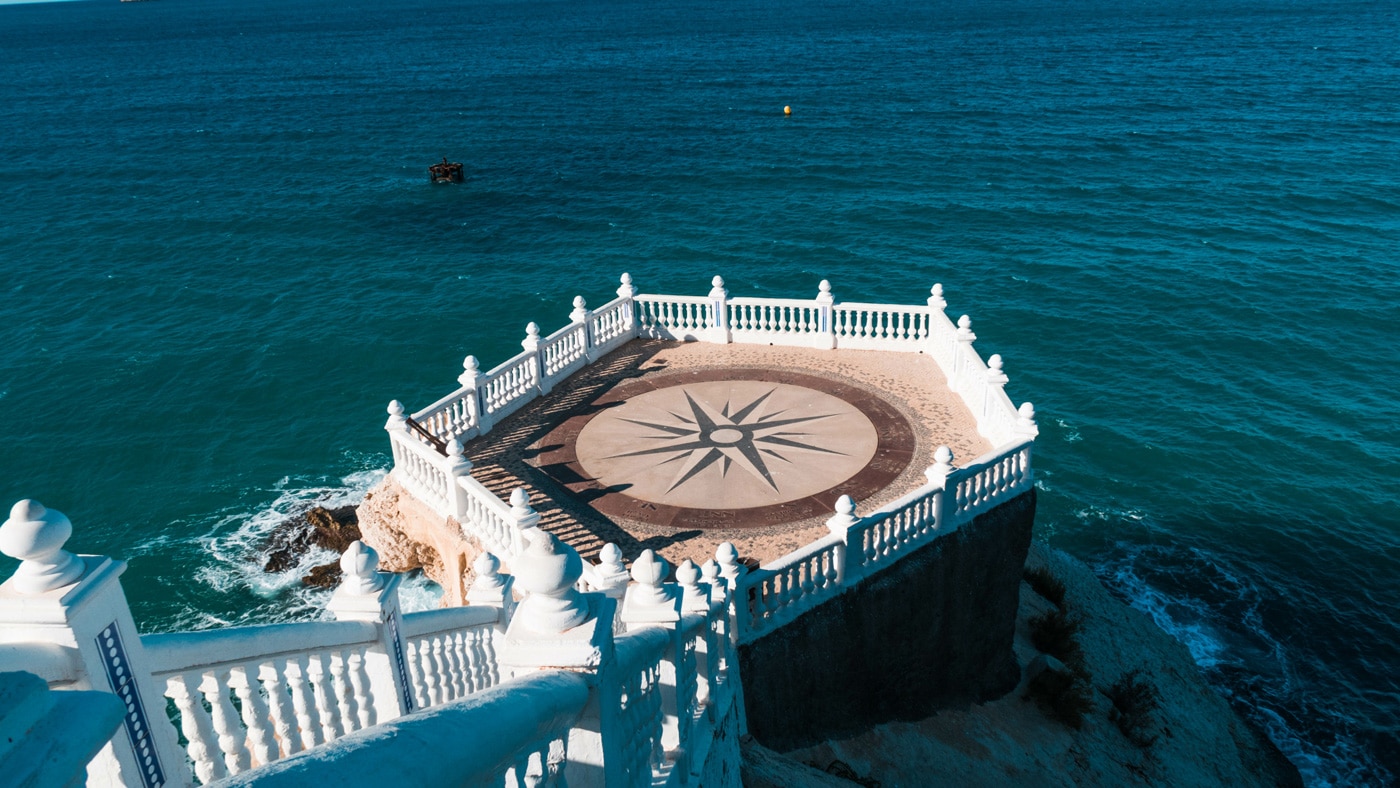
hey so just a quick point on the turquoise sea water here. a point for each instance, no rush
(1178, 221)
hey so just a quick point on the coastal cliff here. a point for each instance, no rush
(1195, 737)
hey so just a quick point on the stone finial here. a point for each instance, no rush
(729, 567)
(360, 564)
(532, 336)
(942, 465)
(396, 420)
(824, 295)
(995, 375)
(965, 329)
(693, 597)
(845, 516)
(547, 572)
(580, 312)
(471, 370)
(486, 573)
(36, 536)
(525, 515)
(627, 290)
(612, 574)
(687, 574)
(710, 571)
(1025, 418)
(717, 290)
(649, 570)
(458, 464)
(936, 299)
(489, 586)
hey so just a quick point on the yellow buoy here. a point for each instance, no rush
(787, 110)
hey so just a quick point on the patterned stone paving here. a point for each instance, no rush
(678, 447)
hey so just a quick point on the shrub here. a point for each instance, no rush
(1056, 633)
(1046, 584)
(1064, 696)
(1134, 699)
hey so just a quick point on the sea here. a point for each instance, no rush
(1177, 220)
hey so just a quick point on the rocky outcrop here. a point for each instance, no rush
(326, 529)
(409, 535)
(1195, 737)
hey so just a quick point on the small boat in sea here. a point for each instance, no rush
(446, 172)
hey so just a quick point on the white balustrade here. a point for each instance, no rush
(783, 589)
(451, 652)
(610, 327)
(510, 386)
(489, 519)
(422, 471)
(683, 318)
(984, 484)
(563, 353)
(880, 326)
(453, 416)
(773, 321)
(789, 586)
(898, 528)
(513, 735)
(274, 671)
(634, 696)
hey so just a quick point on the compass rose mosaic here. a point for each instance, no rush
(727, 444)
(726, 448)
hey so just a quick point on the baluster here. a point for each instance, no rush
(432, 670)
(281, 709)
(299, 682)
(320, 680)
(482, 659)
(451, 661)
(466, 655)
(255, 714)
(421, 698)
(461, 666)
(197, 727)
(360, 686)
(232, 741)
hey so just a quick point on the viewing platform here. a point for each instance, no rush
(679, 447)
(843, 490)
(682, 423)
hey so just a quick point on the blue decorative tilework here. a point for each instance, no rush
(401, 665)
(137, 724)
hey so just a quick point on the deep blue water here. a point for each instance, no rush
(1178, 221)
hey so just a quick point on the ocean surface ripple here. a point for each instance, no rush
(1178, 222)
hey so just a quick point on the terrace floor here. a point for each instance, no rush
(681, 446)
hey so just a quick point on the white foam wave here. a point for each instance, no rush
(1227, 636)
(1071, 434)
(234, 547)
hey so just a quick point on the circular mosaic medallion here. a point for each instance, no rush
(728, 444)
(726, 448)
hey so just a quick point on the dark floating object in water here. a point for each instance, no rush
(446, 172)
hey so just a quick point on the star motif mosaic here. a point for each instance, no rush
(727, 444)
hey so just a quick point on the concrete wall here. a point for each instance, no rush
(934, 630)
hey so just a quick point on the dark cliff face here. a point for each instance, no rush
(934, 630)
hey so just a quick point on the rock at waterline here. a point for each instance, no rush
(328, 529)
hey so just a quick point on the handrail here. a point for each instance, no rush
(174, 652)
(435, 441)
(51, 662)
(428, 622)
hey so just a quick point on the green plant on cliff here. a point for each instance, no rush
(1057, 633)
(1046, 584)
(1065, 696)
(1134, 699)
